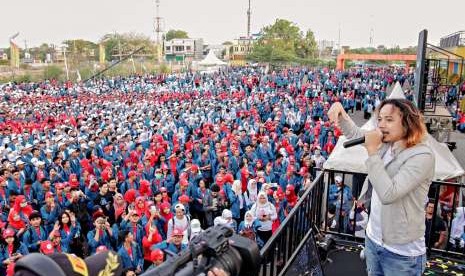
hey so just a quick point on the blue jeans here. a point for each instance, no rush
(381, 261)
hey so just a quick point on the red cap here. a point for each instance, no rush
(183, 199)
(177, 232)
(60, 186)
(8, 233)
(164, 205)
(144, 183)
(157, 255)
(290, 187)
(132, 173)
(46, 247)
(280, 195)
(184, 182)
(48, 195)
(101, 248)
(183, 175)
(163, 189)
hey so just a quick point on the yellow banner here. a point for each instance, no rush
(14, 55)
(102, 54)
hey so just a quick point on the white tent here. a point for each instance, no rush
(211, 60)
(353, 159)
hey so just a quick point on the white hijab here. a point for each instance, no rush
(457, 224)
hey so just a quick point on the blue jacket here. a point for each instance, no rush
(66, 238)
(20, 248)
(165, 246)
(140, 232)
(31, 238)
(135, 261)
(235, 206)
(49, 217)
(104, 240)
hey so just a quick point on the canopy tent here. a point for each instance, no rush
(353, 159)
(211, 60)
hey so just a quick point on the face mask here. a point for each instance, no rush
(23, 205)
(158, 175)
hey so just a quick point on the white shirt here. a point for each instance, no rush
(374, 231)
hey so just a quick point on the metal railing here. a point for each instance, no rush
(280, 248)
(447, 197)
(312, 211)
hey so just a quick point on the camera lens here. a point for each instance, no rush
(229, 261)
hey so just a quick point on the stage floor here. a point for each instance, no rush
(346, 261)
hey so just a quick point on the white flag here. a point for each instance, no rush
(78, 76)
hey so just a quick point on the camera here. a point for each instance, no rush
(218, 247)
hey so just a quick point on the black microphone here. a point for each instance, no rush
(354, 142)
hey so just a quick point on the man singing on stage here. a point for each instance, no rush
(400, 170)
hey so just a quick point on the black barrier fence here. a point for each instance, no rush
(280, 250)
(332, 209)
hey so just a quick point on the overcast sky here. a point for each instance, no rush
(394, 22)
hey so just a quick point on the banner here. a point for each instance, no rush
(14, 54)
(102, 54)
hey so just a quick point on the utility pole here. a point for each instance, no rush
(372, 32)
(66, 62)
(158, 19)
(119, 48)
(248, 21)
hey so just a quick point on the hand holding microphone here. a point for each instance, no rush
(372, 141)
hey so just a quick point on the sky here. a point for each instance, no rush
(394, 22)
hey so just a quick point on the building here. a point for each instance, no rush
(3, 55)
(183, 49)
(240, 49)
(325, 47)
(455, 43)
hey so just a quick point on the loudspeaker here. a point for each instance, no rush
(420, 79)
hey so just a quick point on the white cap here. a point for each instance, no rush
(196, 227)
(226, 214)
(338, 178)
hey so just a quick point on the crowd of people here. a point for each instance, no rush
(142, 164)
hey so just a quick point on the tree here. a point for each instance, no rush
(284, 42)
(123, 44)
(171, 34)
(307, 48)
(80, 50)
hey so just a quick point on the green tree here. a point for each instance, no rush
(80, 50)
(284, 42)
(307, 47)
(41, 51)
(171, 34)
(81, 46)
(123, 44)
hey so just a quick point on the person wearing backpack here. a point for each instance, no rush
(180, 221)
